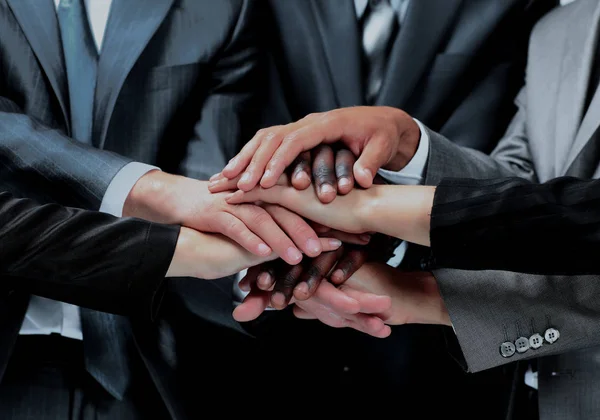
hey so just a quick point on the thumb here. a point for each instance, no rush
(375, 155)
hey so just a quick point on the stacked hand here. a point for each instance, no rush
(334, 149)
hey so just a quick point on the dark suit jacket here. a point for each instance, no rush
(495, 225)
(175, 83)
(75, 255)
(456, 64)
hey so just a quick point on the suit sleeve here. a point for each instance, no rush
(488, 308)
(42, 163)
(83, 257)
(513, 225)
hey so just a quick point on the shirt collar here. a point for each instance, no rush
(361, 5)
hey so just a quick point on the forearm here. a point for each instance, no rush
(399, 211)
(496, 224)
(40, 162)
(88, 258)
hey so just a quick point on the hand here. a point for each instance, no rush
(381, 137)
(171, 199)
(348, 213)
(359, 309)
(301, 281)
(416, 298)
(210, 256)
(331, 171)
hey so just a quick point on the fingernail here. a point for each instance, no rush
(230, 196)
(263, 249)
(327, 189)
(215, 176)
(214, 182)
(367, 173)
(343, 182)
(337, 275)
(231, 164)
(335, 243)
(267, 174)
(244, 286)
(264, 280)
(278, 300)
(245, 177)
(364, 237)
(301, 175)
(314, 246)
(301, 289)
(293, 254)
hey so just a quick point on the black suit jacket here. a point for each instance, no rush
(75, 255)
(495, 224)
(175, 83)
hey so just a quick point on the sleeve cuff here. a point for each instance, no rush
(414, 172)
(147, 286)
(120, 186)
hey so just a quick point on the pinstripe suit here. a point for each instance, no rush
(174, 88)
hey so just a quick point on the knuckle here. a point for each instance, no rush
(314, 271)
(302, 230)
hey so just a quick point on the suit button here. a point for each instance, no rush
(507, 349)
(551, 335)
(522, 344)
(536, 341)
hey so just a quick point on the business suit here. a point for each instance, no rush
(492, 224)
(75, 254)
(453, 65)
(547, 138)
(173, 87)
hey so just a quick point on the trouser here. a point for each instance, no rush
(46, 380)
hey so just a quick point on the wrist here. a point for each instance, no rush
(151, 198)
(408, 143)
(185, 262)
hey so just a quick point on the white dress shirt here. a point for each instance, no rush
(46, 316)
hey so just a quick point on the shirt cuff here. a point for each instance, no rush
(414, 172)
(120, 186)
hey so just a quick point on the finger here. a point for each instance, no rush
(324, 173)
(310, 309)
(265, 277)
(317, 270)
(286, 278)
(253, 306)
(375, 154)
(241, 161)
(323, 128)
(319, 228)
(344, 162)
(297, 229)
(247, 283)
(301, 171)
(352, 261)
(369, 303)
(337, 300)
(263, 225)
(233, 228)
(222, 183)
(370, 325)
(256, 168)
(348, 238)
(302, 314)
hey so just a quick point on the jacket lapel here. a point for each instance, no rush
(131, 25)
(578, 59)
(40, 25)
(338, 29)
(420, 34)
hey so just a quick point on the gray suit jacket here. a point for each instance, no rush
(543, 141)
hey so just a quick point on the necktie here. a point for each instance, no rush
(380, 23)
(81, 60)
(105, 336)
